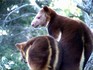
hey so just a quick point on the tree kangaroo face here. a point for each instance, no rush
(42, 18)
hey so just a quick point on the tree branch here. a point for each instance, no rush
(24, 15)
(16, 10)
(83, 9)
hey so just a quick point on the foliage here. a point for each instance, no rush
(10, 62)
(43, 2)
(67, 8)
(15, 27)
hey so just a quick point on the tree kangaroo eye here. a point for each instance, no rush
(38, 17)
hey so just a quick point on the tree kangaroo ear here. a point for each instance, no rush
(20, 45)
(46, 9)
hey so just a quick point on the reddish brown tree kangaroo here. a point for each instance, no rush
(41, 53)
(75, 37)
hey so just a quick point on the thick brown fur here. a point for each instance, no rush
(75, 37)
(41, 53)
